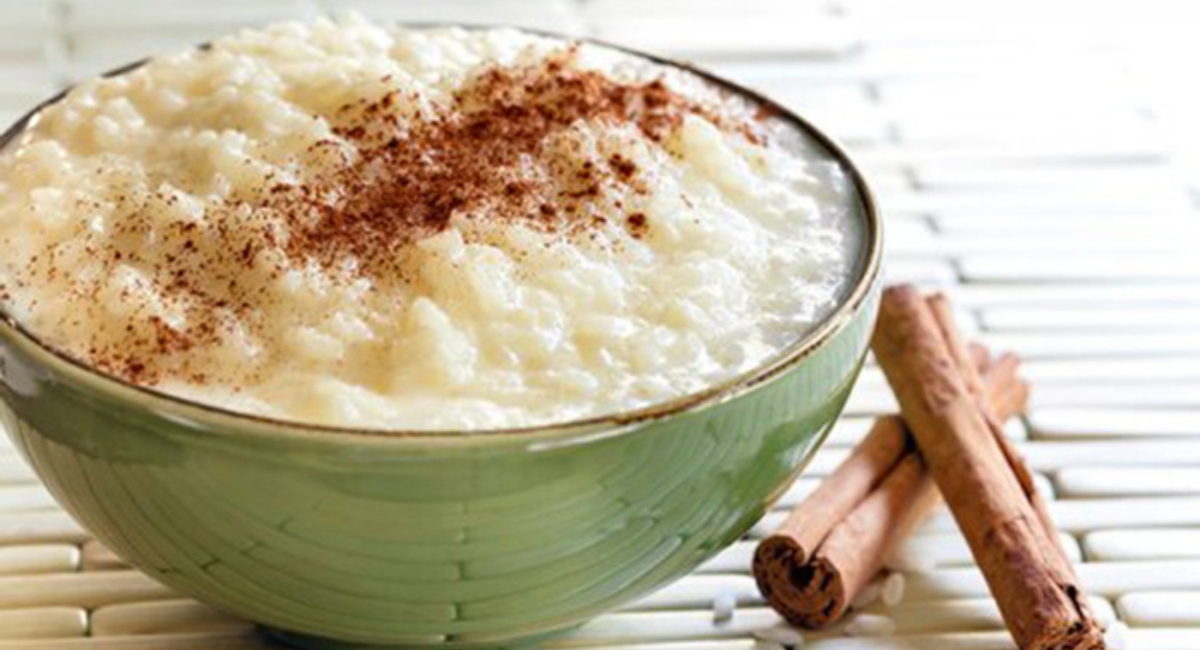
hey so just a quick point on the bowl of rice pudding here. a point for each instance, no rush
(424, 337)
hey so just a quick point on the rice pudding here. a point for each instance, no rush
(420, 229)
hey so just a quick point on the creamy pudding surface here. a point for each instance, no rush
(418, 229)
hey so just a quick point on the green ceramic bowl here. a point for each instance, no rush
(342, 539)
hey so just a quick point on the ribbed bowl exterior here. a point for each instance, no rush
(478, 542)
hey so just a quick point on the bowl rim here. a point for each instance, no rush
(202, 414)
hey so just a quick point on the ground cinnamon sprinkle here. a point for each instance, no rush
(419, 229)
(401, 178)
(487, 151)
(637, 224)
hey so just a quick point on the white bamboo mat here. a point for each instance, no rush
(1036, 159)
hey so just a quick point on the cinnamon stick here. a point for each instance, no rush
(1015, 396)
(866, 467)
(873, 458)
(944, 315)
(1037, 592)
(816, 593)
(833, 543)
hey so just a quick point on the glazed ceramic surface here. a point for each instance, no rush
(468, 540)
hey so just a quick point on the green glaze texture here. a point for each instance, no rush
(471, 542)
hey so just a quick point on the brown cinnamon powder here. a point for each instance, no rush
(488, 153)
(408, 180)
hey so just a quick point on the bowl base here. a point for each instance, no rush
(309, 642)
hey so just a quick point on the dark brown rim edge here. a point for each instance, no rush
(870, 263)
